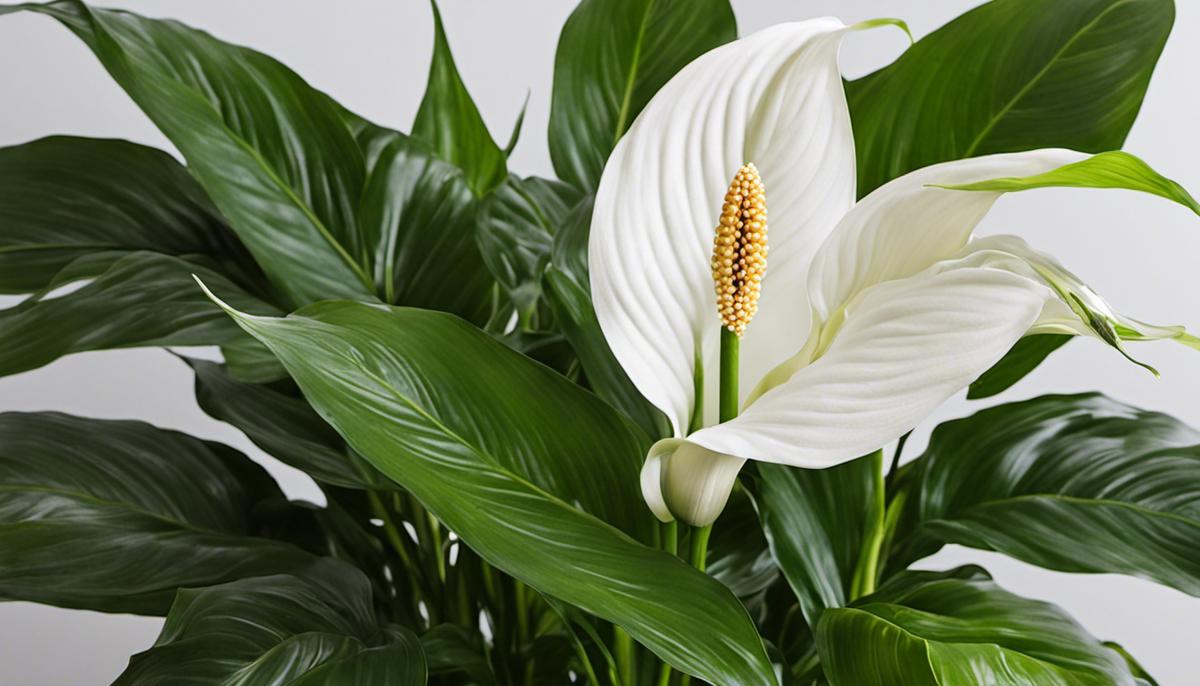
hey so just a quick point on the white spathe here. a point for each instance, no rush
(872, 314)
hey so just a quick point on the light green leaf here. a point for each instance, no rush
(313, 627)
(64, 197)
(284, 426)
(1012, 75)
(1075, 483)
(115, 516)
(512, 457)
(137, 299)
(1023, 358)
(1107, 170)
(613, 55)
(272, 153)
(449, 120)
(958, 627)
(517, 223)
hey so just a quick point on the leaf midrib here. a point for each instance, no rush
(1033, 82)
(631, 77)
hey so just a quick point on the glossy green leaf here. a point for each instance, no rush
(512, 457)
(958, 627)
(418, 217)
(272, 153)
(284, 426)
(613, 55)
(116, 515)
(1114, 169)
(1076, 483)
(738, 554)
(138, 299)
(64, 197)
(1144, 678)
(1019, 361)
(248, 360)
(313, 627)
(815, 521)
(566, 289)
(450, 648)
(1011, 75)
(517, 223)
(449, 120)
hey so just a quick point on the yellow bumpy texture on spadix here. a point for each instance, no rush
(740, 249)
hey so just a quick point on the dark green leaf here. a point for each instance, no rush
(115, 516)
(65, 197)
(419, 220)
(815, 521)
(138, 299)
(449, 120)
(284, 426)
(1010, 75)
(1075, 483)
(272, 153)
(566, 289)
(738, 555)
(958, 627)
(248, 360)
(509, 455)
(517, 223)
(1023, 358)
(613, 55)
(315, 627)
(450, 648)
(1144, 678)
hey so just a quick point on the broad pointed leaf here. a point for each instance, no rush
(613, 55)
(138, 299)
(958, 627)
(449, 120)
(1076, 483)
(499, 448)
(64, 197)
(272, 153)
(313, 627)
(418, 219)
(1011, 75)
(1021, 359)
(115, 515)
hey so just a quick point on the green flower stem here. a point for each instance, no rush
(728, 403)
(624, 657)
(866, 573)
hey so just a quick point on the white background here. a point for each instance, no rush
(373, 55)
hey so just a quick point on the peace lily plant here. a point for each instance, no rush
(872, 314)
(750, 279)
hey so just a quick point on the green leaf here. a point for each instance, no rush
(64, 197)
(449, 120)
(738, 555)
(272, 153)
(1076, 483)
(450, 648)
(958, 627)
(1114, 169)
(613, 55)
(566, 289)
(815, 521)
(115, 515)
(284, 426)
(138, 299)
(313, 627)
(1011, 75)
(512, 457)
(248, 360)
(1019, 361)
(418, 219)
(1144, 678)
(517, 223)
